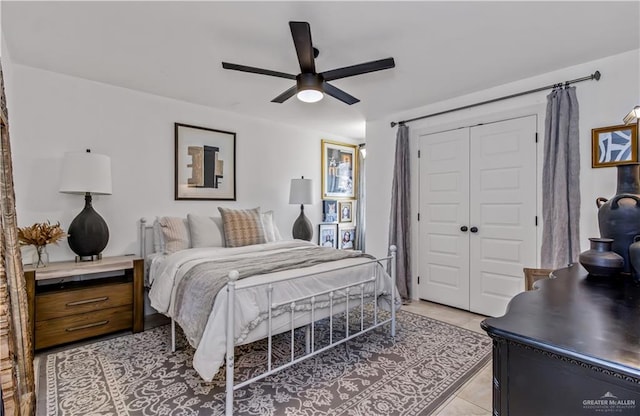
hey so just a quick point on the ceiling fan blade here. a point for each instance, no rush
(253, 70)
(349, 71)
(339, 94)
(285, 95)
(301, 33)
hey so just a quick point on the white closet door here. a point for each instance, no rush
(444, 207)
(503, 208)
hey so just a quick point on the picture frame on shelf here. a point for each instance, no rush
(614, 145)
(339, 170)
(347, 236)
(205, 163)
(328, 235)
(329, 210)
(346, 211)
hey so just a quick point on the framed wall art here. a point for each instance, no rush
(328, 235)
(615, 145)
(339, 170)
(329, 211)
(346, 211)
(205, 163)
(347, 237)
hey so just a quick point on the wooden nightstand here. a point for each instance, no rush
(73, 310)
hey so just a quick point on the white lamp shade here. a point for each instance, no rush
(301, 191)
(84, 172)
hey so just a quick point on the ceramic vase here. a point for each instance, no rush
(634, 257)
(619, 217)
(600, 260)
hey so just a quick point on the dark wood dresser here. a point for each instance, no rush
(571, 347)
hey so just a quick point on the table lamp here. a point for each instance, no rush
(87, 173)
(301, 193)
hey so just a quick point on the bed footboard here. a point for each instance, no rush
(352, 290)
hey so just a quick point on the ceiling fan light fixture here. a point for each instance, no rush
(309, 87)
(310, 96)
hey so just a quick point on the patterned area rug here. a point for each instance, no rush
(369, 375)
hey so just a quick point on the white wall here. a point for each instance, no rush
(51, 114)
(602, 103)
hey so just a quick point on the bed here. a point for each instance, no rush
(223, 296)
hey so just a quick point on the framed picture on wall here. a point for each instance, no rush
(205, 163)
(328, 235)
(615, 145)
(346, 211)
(339, 170)
(347, 237)
(329, 211)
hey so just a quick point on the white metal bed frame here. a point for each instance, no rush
(310, 350)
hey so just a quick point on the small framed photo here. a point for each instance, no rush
(615, 145)
(205, 163)
(328, 235)
(347, 237)
(346, 211)
(329, 211)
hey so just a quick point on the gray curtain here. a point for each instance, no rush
(561, 181)
(400, 218)
(360, 205)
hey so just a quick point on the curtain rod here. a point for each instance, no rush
(595, 75)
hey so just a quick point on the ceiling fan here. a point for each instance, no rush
(310, 85)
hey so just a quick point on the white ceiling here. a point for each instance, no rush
(441, 49)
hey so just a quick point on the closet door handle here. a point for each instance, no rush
(464, 228)
(474, 229)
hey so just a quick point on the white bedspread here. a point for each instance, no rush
(251, 301)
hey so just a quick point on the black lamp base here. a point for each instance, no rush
(97, 257)
(88, 233)
(302, 229)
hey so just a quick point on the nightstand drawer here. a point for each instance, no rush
(76, 301)
(76, 327)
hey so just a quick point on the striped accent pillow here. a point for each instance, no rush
(175, 233)
(242, 227)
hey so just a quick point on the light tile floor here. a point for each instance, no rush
(475, 396)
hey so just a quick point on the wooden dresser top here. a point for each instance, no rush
(71, 268)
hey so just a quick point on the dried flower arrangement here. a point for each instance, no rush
(40, 234)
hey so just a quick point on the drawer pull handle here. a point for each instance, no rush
(77, 328)
(83, 302)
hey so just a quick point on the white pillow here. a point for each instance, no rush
(205, 231)
(175, 234)
(269, 226)
(277, 232)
